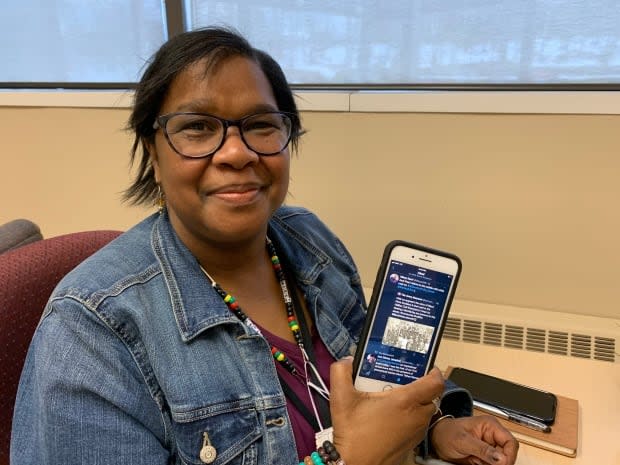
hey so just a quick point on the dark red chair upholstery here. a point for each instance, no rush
(28, 275)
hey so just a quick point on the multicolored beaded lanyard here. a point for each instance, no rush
(294, 326)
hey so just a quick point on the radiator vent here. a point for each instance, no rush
(557, 343)
(472, 329)
(534, 339)
(492, 334)
(514, 337)
(452, 330)
(605, 349)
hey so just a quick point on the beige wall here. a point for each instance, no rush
(529, 202)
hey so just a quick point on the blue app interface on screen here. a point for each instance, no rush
(406, 321)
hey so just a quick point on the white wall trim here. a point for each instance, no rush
(544, 102)
(66, 98)
(562, 102)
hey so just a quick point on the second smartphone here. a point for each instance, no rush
(406, 316)
(506, 395)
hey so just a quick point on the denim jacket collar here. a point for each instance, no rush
(188, 286)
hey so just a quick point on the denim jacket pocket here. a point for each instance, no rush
(232, 429)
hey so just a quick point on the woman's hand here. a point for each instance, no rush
(380, 427)
(474, 441)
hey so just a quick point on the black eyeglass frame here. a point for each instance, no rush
(162, 120)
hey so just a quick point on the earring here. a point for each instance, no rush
(161, 199)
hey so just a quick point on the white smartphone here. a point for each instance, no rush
(406, 316)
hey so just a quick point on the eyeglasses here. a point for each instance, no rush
(198, 135)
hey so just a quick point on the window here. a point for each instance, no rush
(72, 41)
(360, 42)
(336, 43)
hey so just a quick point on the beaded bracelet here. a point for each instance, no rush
(326, 455)
(443, 417)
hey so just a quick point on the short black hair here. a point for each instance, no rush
(212, 44)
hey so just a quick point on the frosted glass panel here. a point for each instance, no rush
(429, 41)
(77, 40)
(352, 42)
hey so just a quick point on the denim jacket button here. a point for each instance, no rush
(208, 452)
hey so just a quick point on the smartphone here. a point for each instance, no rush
(406, 316)
(507, 395)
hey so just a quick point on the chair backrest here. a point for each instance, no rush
(17, 233)
(28, 275)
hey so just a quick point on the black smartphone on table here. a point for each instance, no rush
(408, 310)
(508, 396)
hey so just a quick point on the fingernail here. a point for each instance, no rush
(496, 456)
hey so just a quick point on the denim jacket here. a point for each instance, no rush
(137, 360)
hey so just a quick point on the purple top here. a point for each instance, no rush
(304, 433)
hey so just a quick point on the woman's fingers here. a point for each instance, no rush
(380, 427)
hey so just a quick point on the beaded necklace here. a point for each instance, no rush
(278, 355)
(234, 307)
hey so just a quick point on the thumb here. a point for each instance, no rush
(341, 380)
(341, 372)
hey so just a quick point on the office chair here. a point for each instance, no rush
(17, 233)
(28, 275)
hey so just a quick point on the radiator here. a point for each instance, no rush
(558, 333)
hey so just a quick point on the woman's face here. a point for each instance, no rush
(229, 196)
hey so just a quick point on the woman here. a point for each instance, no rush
(191, 338)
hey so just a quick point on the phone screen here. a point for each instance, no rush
(404, 330)
(506, 395)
